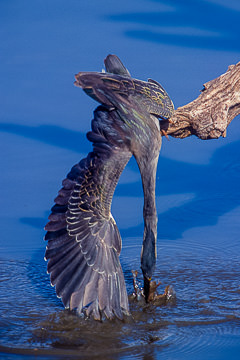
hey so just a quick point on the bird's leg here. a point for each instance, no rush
(149, 253)
(148, 167)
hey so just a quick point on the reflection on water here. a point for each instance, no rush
(206, 281)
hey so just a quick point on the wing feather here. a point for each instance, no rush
(61, 257)
(83, 240)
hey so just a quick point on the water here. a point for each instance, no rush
(206, 310)
(43, 121)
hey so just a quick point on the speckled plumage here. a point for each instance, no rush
(83, 240)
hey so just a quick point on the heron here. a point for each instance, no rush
(84, 242)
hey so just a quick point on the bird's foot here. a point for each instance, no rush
(169, 294)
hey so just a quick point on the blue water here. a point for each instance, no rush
(43, 121)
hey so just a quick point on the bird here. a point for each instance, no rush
(83, 240)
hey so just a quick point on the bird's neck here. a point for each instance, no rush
(148, 166)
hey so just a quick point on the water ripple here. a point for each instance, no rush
(207, 308)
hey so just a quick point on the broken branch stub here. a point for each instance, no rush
(208, 116)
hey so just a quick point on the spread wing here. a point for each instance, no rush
(83, 240)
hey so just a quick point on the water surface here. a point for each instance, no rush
(207, 308)
(43, 121)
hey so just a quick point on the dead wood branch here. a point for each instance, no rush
(208, 116)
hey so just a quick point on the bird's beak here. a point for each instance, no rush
(146, 288)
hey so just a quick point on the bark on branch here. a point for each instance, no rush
(208, 116)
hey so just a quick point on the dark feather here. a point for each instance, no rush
(114, 65)
(84, 242)
(56, 235)
(61, 257)
(65, 270)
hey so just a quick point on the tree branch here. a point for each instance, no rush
(209, 115)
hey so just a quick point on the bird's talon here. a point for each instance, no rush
(153, 296)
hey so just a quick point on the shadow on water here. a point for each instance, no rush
(216, 189)
(209, 25)
(50, 134)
